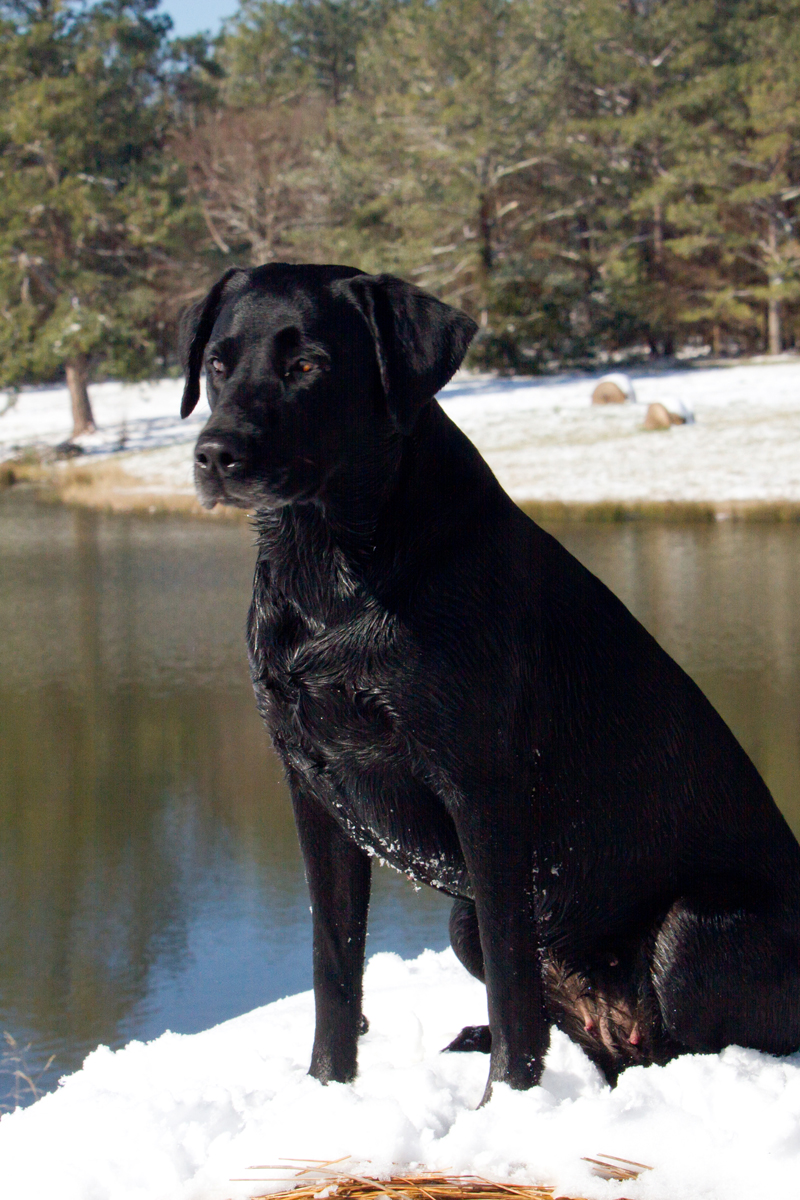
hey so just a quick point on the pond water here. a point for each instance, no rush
(149, 872)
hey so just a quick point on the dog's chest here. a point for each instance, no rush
(327, 685)
(332, 695)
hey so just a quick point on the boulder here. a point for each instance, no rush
(615, 388)
(659, 417)
(608, 393)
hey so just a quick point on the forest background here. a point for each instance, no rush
(593, 180)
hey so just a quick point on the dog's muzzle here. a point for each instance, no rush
(220, 471)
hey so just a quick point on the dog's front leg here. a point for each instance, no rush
(500, 869)
(338, 875)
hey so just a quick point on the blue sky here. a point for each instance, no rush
(194, 16)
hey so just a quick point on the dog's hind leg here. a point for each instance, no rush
(729, 974)
(611, 1012)
(466, 942)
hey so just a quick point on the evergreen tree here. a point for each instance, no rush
(746, 173)
(634, 73)
(257, 59)
(584, 177)
(275, 50)
(769, 183)
(90, 210)
(436, 148)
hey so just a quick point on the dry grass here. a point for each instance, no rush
(13, 1062)
(317, 1180)
(105, 485)
(673, 511)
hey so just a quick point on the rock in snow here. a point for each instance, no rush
(184, 1117)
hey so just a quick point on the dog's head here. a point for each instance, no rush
(310, 369)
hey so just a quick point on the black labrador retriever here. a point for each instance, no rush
(450, 690)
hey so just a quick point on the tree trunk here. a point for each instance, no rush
(658, 239)
(486, 227)
(82, 416)
(774, 331)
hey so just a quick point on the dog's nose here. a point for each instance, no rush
(217, 455)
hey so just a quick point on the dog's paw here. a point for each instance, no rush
(472, 1037)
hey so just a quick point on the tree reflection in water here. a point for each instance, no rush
(149, 871)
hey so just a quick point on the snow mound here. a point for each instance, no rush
(185, 1117)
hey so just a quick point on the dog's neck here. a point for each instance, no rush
(379, 524)
(317, 552)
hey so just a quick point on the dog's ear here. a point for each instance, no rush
(419, 340)
(195, 330)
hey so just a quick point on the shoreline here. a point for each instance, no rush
(106, 487)
(561, 458)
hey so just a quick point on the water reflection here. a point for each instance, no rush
(149, 870)
(724, 600)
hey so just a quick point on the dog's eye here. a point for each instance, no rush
(301, 367)
(217, 366)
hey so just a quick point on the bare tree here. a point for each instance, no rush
(261, 178)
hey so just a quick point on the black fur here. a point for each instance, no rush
(450, 690)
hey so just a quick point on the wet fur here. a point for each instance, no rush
(452, 692)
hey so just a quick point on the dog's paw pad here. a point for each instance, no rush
(472, 1037)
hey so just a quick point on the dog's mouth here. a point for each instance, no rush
(220, 479)
(212, 490)
(233, 493)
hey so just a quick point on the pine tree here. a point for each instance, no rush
(756, 200)
(437, 145)
(634, 73)
(90, 210)
(274, 50)
(584, 177)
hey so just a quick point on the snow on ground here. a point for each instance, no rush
(542, 437)
(138, 426)
(188, 1117)
(142, 415)
(546, 442)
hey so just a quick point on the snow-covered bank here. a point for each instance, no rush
(542, 437)
(546, 442)
(141, 449)
(184, 1117)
